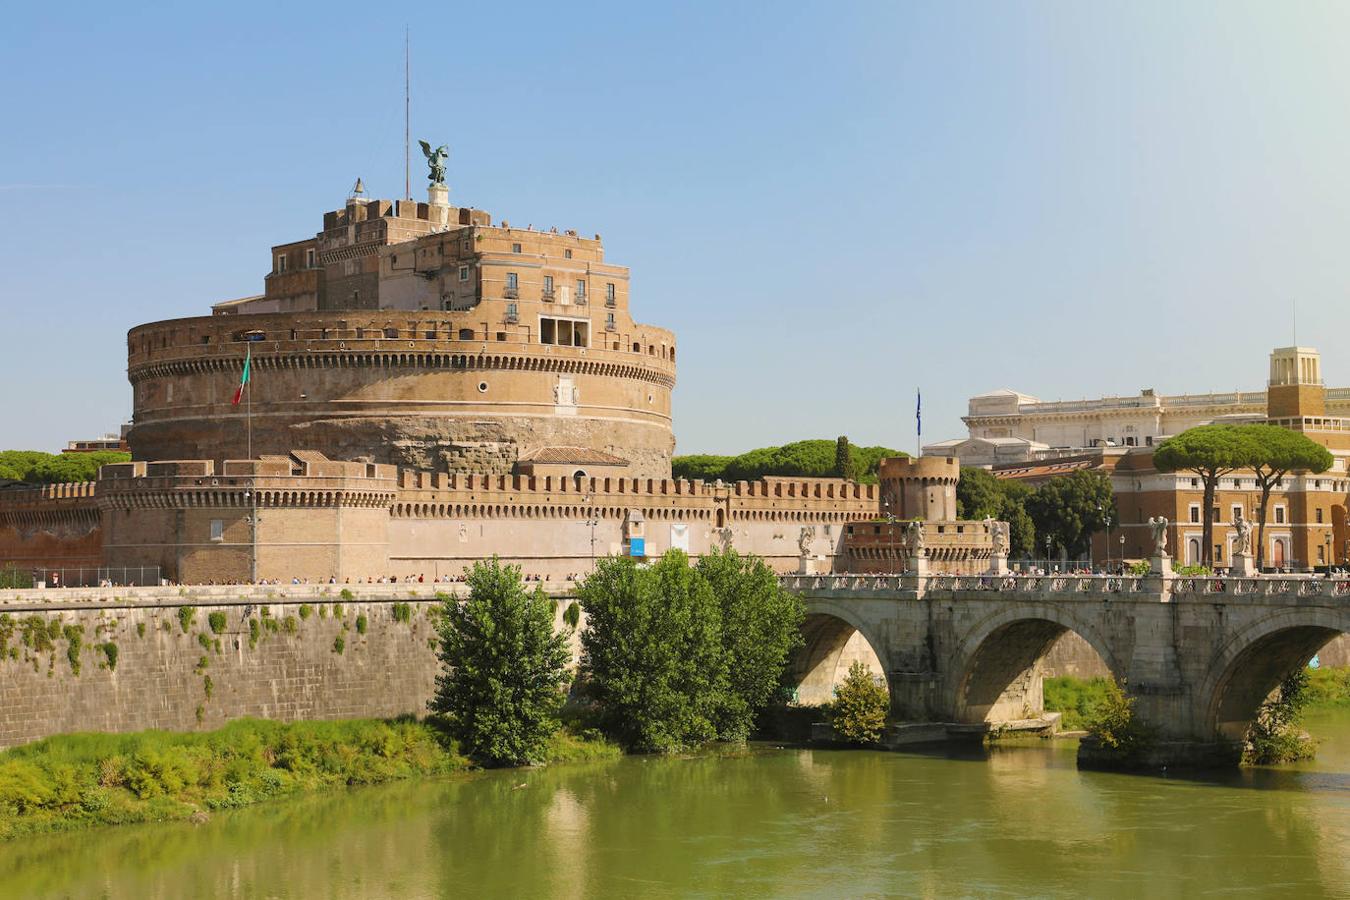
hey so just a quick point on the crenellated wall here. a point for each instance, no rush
(305, 516)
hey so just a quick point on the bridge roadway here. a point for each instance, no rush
(1198, 655)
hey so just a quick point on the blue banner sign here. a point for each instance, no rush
(637, 546)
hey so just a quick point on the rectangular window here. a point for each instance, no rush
(1319, 515)
(1195, 512)
(515, 248)
(548, 284)
(463, 273)
(281, 262)
(564, 332)
(309, 258)
(1218, 552)
(511, 312)
(609, 293)
(1237, 512)
(1279, 515)
(567, 254)
(581, 291)
(217, 529)
(1214, 514)
(609, 321)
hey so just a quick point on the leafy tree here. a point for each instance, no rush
(1021, 528)
(807, 459)
(979, 495)
(1071, 508)
(36, 467)
(843, 458)
(1210, 451)
(1275, 452)
(1275, 735)
(700, 466)
(652, 652)
(858, 713)
(1114, 727)
(761, 627)
(503, 666)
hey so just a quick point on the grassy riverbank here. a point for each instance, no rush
(79, 780)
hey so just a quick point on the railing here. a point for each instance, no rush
(611, 302)
(1071, 584)
(547, 294)
(511, 293)
(511, 318)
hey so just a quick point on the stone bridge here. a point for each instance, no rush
(1199, 655)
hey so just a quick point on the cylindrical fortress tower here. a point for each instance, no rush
(922, 488)
(437, 390)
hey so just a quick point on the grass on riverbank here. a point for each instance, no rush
(77, 780)
(1076, 699)
(1328, 687)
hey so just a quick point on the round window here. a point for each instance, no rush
(482, 387)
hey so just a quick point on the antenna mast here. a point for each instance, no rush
(407, 115)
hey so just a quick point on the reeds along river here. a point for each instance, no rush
(1014, 820)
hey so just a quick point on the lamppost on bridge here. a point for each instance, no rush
(1047, 553)
(592, 521)
(1106, 517)
(890, 522)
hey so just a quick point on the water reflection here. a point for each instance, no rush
(1012, 820)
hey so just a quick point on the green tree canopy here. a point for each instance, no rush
(1275, 452)
(1210, 451)
(858, 712)
(36, 467)
(502, 667)
(807, 459)
(652, 652)
(761, 627)
(980, 495)
(1069, 509)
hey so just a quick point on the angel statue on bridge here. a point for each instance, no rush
(436, 160)
(1159, 526)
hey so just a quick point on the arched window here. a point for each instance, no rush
(466, 334)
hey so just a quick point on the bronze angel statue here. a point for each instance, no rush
(436, 160)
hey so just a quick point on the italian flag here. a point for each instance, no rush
(243, 382)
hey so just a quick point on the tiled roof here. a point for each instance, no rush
(574, 456)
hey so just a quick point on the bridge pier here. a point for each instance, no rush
(1197, 655)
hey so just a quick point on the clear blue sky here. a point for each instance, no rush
(829, 203)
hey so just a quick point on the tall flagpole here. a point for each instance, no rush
(407, 115)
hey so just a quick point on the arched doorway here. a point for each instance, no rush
(1001, 674)
(830, 645)
(1278, 553)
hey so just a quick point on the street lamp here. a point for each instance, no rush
(1047, 553)
(890, 522)
(592, 521)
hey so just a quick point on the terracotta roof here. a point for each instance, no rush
(574, 455)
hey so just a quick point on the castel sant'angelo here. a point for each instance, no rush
(426, 388)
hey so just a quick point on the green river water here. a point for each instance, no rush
(1010, 821)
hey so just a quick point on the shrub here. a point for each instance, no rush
(185, 616)
(1274, 735)
(858, 713)
(110, 653)
(217, 622)
(1076, 699)
(203, 640)
(337, 610)
(402, 612)
(74, 635)
(254, 630)
(502, 667)
(339, 644)
(140, 629)
(345, 594)
(572, 615)
(290, 625)
(1113, 726)
(361, 623)
(306, 611)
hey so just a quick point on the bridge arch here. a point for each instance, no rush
(995, 674)
(1253, 662)
(833, 637)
